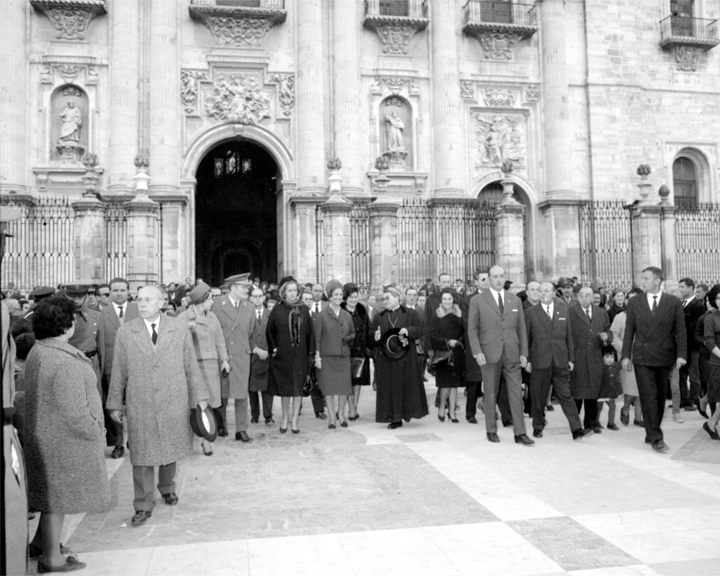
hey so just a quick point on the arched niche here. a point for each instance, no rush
(702, 170)
(396, 132)
(69, 126)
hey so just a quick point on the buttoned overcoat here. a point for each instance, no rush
(586, 377)
(238, 325)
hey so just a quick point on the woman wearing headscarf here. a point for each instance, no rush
(360, 346)
(210, 347)
(447, 333)
(334, 332)
(64, 433)
(291, 344)
(400, 390)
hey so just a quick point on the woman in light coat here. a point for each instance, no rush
(627, 379)
(209, 343)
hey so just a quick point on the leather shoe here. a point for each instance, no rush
(242, 436)
(71, 564)
(269, 420)
(254, 420)
(507, 423)
(714, 435)
(394, 425)
(537, 433)
(613, 426)
(524, 439)
(597, 429)
(171, 499)
(493, 437)
(550, 408)
(320, 415)
(222, 431)
(118, 452)
(624, 417)
(472, 420)
(140, 517)
(660, 446)
(579, 434)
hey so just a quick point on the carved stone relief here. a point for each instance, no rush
(498, 138)
(499, 45)
(395, 84)
(395, 37)
(237, 98)
(286, 91)
(499, 97)
(189, 88)
(238, 31)
(467, 89)
(687, 57)
(69, 73)
(70, 18)
(532, 93)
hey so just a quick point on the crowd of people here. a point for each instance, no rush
(97, 367)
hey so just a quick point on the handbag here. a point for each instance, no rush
(356, 366)
(311, 386)
(441, 358)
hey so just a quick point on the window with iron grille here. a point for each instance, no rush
(685, 183)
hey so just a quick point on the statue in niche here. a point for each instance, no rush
(71, 118)
(395, 149)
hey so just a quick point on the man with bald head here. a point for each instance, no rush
(498, 339)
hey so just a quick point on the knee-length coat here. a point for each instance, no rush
(400, 389)
(289, 365)
(64, 431)
(586, 377)
(160, 384)
(259, 368)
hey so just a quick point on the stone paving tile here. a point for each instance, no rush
(700, 448)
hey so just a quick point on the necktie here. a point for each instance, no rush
(317, 306)
(500, 304)
(154, 334)
(547, 308)
(236, 304)
(654, 306)
(685, 303)
(587, 311)
(121, 312)
(258, 315)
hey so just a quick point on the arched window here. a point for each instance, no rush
(685, 183)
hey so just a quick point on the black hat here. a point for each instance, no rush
(42, 292)
(391, 345)
(203, 423)
(287, 279)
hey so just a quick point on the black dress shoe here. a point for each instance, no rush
(344, 424)
(140, 517)
(597, 429)
(624, 417)
(331, 427)
(580, 433)
(689, 406)
(524, 439)
(550, 408)
(471, 420)
(254, 420)
(537, 433)
(660, 446)
(171, 499)
(71, 564)
(493, 437)
(269, 420)
(118, 452)
(222, 432)
(507, 423)
(320, 415)
(394, 425)
(613, 426)
(242, 436)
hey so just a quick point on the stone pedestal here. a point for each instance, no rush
(303, 254)
(383, 251)
(558, 253)
(646, 238)
(669, 246)
(90, 253)
(13, 99)
(510, 241)
(336, 239)
(142, 241)
(173, 265)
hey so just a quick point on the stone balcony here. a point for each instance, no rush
(239, 23)
(395, 22)
(498, 16)
(686, 31)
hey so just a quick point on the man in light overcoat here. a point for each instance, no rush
(155, 369)
(237, 318)
(496, 327)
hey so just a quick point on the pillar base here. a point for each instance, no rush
(559, 232)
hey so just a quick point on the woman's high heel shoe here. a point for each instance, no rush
(441, 418)
(701, 409)
(206, 452)
(283, 430)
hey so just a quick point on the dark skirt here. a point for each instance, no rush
(452, 376)
(400, 390)
(714, 384)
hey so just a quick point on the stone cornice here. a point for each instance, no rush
(238, 26)
(70, 17)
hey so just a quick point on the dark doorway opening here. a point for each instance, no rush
(235, 213)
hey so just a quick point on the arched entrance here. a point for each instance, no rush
(236, 213)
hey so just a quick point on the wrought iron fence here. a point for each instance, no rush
(606, 250)
(116, 239)
(360, 242)
(402, 8)
(500, 12)
(702, 29)
(697, 234)
(41, 251)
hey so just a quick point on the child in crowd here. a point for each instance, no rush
(610, 388)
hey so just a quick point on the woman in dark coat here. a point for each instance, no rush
(360, 348)
(64, 433)
(400, 390)
(291, 343)
(446, 332)
(334, 331)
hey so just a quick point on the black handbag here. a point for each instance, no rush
(311, 386)
(441, 358)
(356, 366)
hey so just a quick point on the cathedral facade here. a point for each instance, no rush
(202, 138)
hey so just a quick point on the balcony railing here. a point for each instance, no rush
(400, 9)
(689, 31)
(497, 12)
(269, 4)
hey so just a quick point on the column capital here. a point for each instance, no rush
(384, 207)
(88, 204)
(336, 204)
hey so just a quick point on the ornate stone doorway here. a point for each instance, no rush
(236, 213)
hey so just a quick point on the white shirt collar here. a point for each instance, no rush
(650, 298)
(551, 306)
(688, 300)
(117, 307)
(495, 294)
(149, 327)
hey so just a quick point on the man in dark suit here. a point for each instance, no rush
(693, 308)
(655, 338)
(498, 338)
(317, 305)
(259, 362)
(590, 326)
(114, 315)
(474, 374)
(551, 359)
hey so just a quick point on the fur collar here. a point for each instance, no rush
(441, 313)
(359, 308)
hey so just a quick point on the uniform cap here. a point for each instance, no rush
(76, 289)
(239, 279)
(42, 292)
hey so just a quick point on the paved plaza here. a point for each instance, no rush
(429, 498)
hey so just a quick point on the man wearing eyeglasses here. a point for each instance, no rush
(103, 294)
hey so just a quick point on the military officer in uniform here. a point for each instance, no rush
(89, 334)
(39, 294)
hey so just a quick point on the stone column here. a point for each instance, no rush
(174, 268)
(90, 253)
(510, 236)
(123, 106)
(336, 236)
(304, 257)
(142, 241)
(310, 97)
(669, 239)
(555, 96)
(646, 238)
(383, 251)
(558, 252)
(13, 97)
(346, 93)
(449, 157)
(164, 98)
